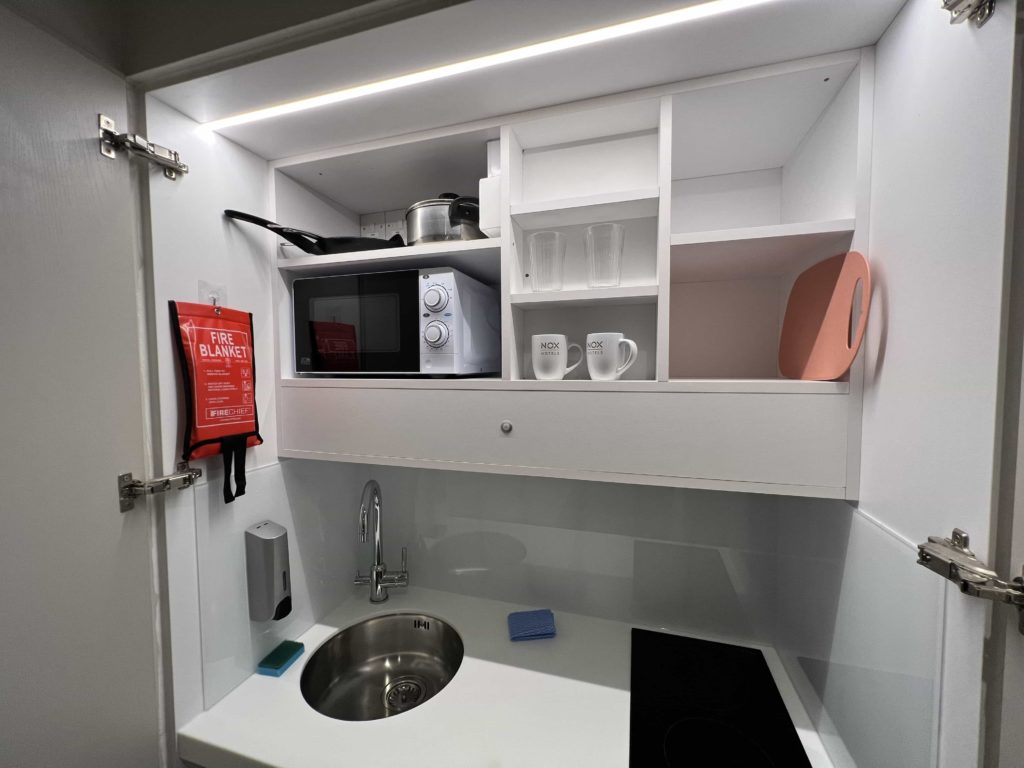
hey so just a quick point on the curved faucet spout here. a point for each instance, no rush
(379, 579)
(372, 502)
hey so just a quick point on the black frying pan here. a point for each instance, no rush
(315, 244)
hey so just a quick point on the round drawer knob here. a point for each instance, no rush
(506, 427)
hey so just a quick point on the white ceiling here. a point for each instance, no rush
(777, 31)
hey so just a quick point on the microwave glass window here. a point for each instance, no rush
(358, 324)
(373, 319)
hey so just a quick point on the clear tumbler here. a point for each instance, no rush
(604, 253)
(547, 260)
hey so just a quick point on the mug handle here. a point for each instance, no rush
(630, 358)
(575, 365)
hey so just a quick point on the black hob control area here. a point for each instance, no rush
(700, 704)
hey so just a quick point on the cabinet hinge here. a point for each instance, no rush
(978, 11)
(140, 146)
(952, 559)
(129, 489)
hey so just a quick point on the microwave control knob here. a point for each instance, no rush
(435, 298)
(436, 333)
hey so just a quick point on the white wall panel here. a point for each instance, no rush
(317, 504)
(619, 163)
(299, 207)
(193, 241)
(750, 199)
(819, 179)
(899, 671)
(859, 626)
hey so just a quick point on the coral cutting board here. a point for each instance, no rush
(816, 342)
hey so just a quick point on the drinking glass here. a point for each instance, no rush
(604, 253)
(547, 260)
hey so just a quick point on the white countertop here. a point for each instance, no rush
(542, 703)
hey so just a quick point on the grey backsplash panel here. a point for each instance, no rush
(683, 559)
(854, 619)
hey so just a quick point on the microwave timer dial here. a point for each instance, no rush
(436, 333)
(435, 298)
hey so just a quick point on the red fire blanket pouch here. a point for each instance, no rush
(215, 347)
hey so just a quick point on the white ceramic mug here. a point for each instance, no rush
(604, 355)
(551, 356)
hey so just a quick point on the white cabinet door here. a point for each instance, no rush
(78, 673)
(938, 247)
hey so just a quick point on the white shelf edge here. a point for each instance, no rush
(605, 206)
(385, 255)
(672, 481)
(585, 201)
(639, 294)
(765, 231)
(694, 386)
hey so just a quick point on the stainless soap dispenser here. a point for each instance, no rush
(269, 577)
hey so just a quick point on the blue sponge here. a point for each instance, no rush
(531, 625)
(278, 660)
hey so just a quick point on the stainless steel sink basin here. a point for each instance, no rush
(381, 667)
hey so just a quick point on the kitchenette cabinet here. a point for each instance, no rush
(727, 188)
(735, 153)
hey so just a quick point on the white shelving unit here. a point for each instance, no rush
(718, 224)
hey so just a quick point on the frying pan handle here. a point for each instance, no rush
(249, 218)
(307, 241)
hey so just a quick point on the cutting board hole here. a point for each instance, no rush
(856, 307)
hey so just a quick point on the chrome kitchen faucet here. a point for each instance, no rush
(380, 580)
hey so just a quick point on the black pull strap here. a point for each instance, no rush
(233, 448)
(240, 468)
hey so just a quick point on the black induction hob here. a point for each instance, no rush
(699, 704)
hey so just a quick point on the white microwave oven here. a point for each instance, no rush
(412, 322)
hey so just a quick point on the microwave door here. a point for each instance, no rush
(358, 325)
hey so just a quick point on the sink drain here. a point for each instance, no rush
(404, 693)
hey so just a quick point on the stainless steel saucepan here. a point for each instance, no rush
(446, 217)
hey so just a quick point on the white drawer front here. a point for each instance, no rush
(784, 439)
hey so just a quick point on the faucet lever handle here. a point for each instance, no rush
(405, 559)
(360, 579)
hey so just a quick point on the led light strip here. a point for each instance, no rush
(613, 32)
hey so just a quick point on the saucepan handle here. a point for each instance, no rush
(464, 210)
